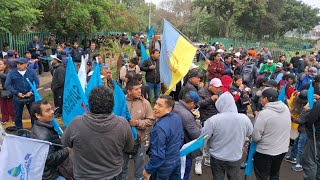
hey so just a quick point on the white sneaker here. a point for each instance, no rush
(198, 169)
(207, 162)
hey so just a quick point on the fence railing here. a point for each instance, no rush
(20, 42)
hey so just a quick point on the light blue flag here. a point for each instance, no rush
(95, 80)
(310, 95)
(37, 98)
(282, 93)
(192, 146)
(120, 106)
(249, 167)
(74, 99)
(150, 34)
(144, 55)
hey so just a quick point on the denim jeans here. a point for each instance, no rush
(18, 107)
(298, 146)
(267, 166)
(168, 171)
(310, 163)
(219, 168)
(138, 164)
(154, 88)
(188, 168)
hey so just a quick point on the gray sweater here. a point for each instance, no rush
(272, 129)
(98, 142)
(227, 130)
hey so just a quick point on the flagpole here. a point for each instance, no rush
(150, 14)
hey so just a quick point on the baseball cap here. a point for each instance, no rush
(271, 94)
(279, 64)
(193, 66)
(271, 83)
(89, 63)
(216, 82)
(192, 74)
(269, 61)
(10, 53)
(237, 54)
(22, 60)
(56, 57)
(220, 51)
(142, 36)
(313, 70)
(194, 96)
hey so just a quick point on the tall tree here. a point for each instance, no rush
(18, 15)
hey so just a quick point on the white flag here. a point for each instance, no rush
(82, 74)
(22, 158)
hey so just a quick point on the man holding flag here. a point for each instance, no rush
(191, 129)
(43, 130)
(311, 153)
(225, 140)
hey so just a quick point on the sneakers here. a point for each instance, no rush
(198, 168)
(207, 162)
(243, 165)
(290, 159)
(297, 168)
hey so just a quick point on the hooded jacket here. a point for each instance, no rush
(227, 130)
(98, 142)
(272, 129)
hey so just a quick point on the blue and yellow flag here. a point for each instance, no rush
(74, 99)
(176, 56)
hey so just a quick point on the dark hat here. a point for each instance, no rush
(192, 74)
(22, 60)
(89, 63)
(51, 34)
(10, 53)
(271, 83)
(271, 94)
(6, 44)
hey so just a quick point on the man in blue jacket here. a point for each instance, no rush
(166, 140)
(22, 95)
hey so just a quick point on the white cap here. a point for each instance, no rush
(193, 66)
(220, 51)
(142, 36)
(237, 54)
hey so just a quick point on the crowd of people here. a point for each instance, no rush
(215, 100)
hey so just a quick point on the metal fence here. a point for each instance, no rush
(20, 42)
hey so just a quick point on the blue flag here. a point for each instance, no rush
(150, 34)
(144, 55)
(120, 106)
(249, 167)
(37, 98)
(95, 80)
(282, 93)
(74, 99)
(310, 95)
(192, 146)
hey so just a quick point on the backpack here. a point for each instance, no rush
(247, 73)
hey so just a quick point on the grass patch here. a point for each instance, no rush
(48, 96)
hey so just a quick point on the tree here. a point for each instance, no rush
(298, 16)
(18, 15)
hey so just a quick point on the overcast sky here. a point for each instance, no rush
(315, 3)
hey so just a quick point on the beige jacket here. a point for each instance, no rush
(141, 110)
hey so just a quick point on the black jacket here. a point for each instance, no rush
(186, 88)
(207, 106)
(56, 155)
(313, 118)
(152, 75)
(76, 54)
(57, 84)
